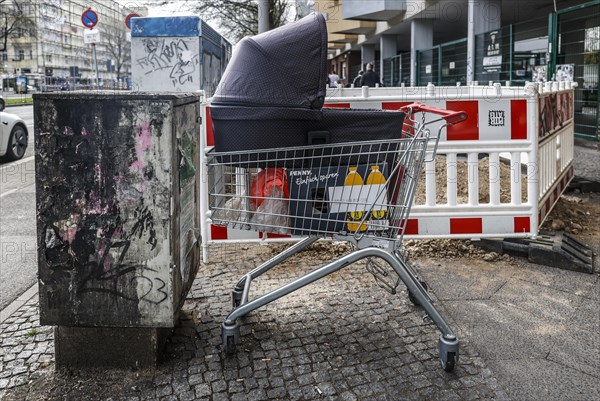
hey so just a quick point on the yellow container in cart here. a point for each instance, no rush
(378, 215)
(355, 216)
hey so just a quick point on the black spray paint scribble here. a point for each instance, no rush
(94, 243)
(173, 54)
(96, 272)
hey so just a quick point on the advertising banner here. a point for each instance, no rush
(492, 62)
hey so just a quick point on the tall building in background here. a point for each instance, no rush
(49, 49)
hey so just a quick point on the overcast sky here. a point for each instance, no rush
(173, 8)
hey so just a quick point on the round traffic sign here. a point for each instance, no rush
(89, 18)
(128, 19)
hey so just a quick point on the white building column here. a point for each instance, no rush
(421, 37)
(367, 55)
(388, 48)
(484, 16)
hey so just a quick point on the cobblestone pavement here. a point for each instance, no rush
(342, 338)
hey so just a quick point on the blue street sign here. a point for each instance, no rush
(89, 18)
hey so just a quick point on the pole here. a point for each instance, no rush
(471, 41)
(263, 16)
(95, 63)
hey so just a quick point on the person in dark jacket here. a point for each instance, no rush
(356, 81)
(370, 78)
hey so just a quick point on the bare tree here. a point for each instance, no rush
(303, 8)
(119, 49)
(239, 18)
(14, 22)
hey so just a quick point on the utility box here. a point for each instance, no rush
(180, 53)
(117, 182)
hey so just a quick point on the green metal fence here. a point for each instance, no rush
(396, 70)
(577, 57)
(444, 64)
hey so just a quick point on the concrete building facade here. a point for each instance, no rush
(52, 52)
(450, 42)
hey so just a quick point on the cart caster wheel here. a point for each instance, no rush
(412, 298)
(448, 362)
(236, 298)
(448, 350)
(230, 345)
(230, 336)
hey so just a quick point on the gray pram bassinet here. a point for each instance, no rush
(273, 90)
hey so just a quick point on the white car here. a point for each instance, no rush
(13, 135)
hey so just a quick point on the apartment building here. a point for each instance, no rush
(449, 42)
(53, 52)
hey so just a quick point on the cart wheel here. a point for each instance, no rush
(230, 336)
(448, 348)
(412, 298)
(230, 345)
(236, 298)
(449, 362)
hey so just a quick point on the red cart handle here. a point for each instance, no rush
(452, 117)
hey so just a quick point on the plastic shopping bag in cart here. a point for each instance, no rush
(236, 213)
(269, 197)
(264, 181)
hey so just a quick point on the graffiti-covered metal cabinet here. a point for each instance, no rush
(117, 186)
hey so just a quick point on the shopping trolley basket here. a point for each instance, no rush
(360, 192)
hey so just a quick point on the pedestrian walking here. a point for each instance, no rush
(333, 79)
(370, 78)
(356, 81)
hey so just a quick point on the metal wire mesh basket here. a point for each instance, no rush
(357, 189)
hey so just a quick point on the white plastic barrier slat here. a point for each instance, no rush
(473, 168)
(430, 187)
(515, 178)
(451, 178)
(503, 121)
(494, 175)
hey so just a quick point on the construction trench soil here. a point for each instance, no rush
(462, 182)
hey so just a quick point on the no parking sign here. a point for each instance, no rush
(89, 18)
(128, 19)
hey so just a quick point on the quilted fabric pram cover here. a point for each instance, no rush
(273, 90)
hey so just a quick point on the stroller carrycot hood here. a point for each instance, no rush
(285, 67)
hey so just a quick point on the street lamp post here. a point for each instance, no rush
(263, 16)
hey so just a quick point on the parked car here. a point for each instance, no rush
(13, 135)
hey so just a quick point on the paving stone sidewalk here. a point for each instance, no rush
(342, 338)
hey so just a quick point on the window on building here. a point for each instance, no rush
(21, 55)
(49, 58)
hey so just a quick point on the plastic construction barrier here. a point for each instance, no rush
(496, 175)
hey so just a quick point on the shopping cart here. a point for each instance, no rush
(360, 192)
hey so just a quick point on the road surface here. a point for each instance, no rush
(18, 258)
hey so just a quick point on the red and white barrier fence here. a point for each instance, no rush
(525, 133)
